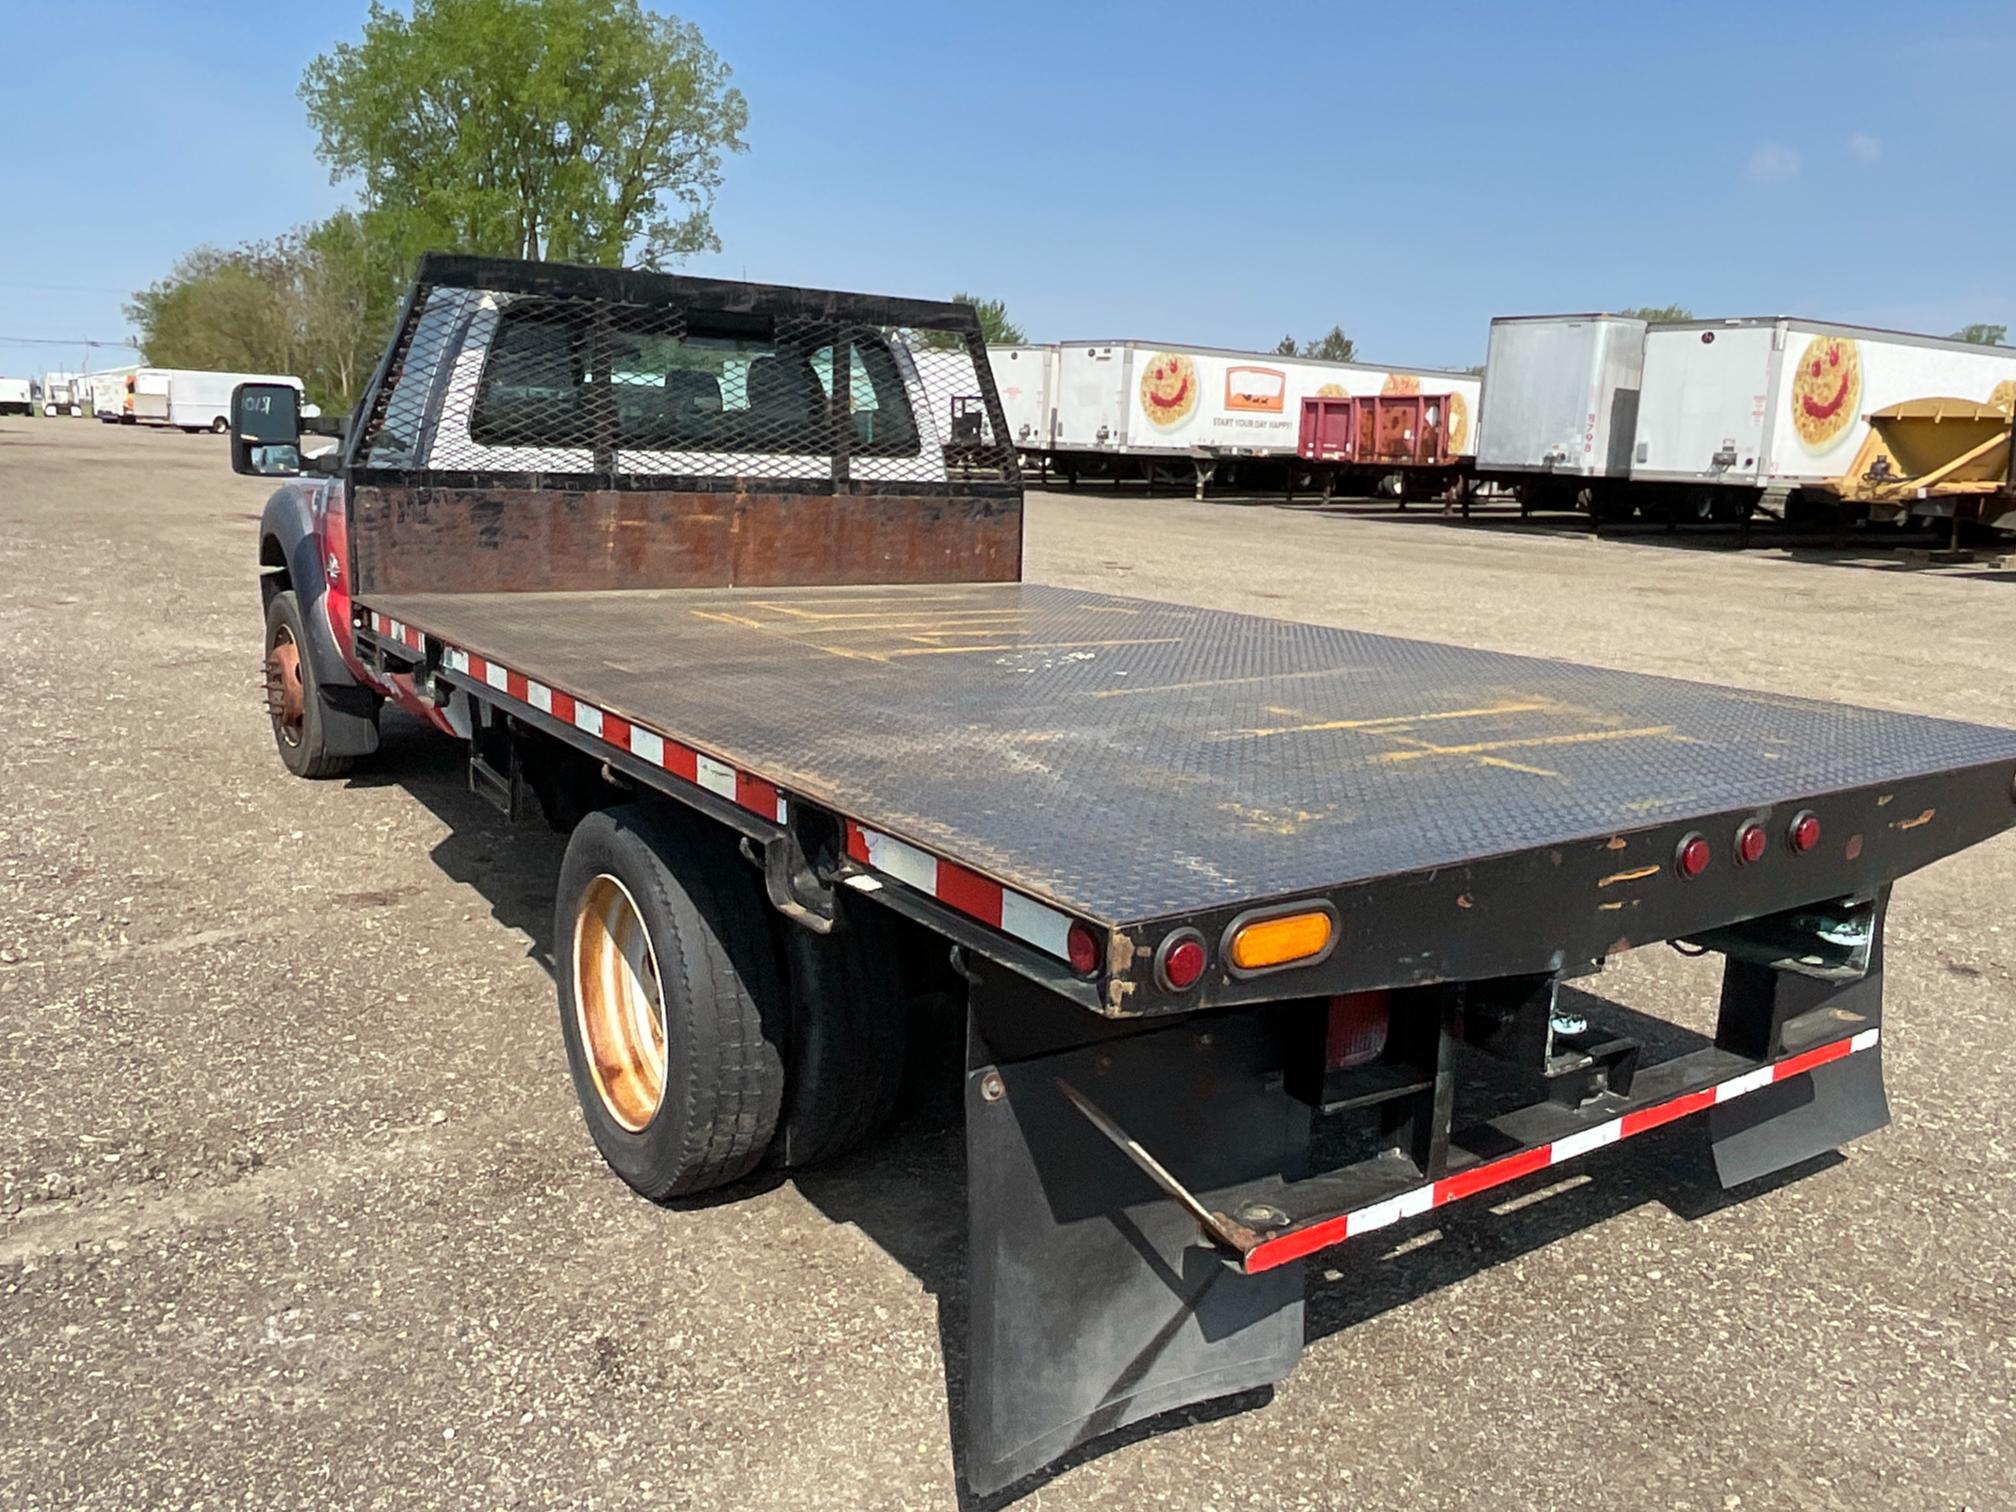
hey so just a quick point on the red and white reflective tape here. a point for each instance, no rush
(1299, 1243)
(976, 896)
(966, 890)
(743, 789)
(392, 629)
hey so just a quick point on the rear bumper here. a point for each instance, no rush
(1665, 1094)
(1140, 1204)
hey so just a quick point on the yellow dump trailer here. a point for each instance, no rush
(1947, 458)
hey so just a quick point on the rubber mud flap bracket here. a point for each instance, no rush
(1094, 1300)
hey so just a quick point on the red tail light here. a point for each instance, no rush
(1692, 858)
(1357, 1030)
(1804, 833)
(1751, 843)
(1082, 946)
(1180, 962)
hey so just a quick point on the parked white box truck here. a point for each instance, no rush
(192, 399)
(17, 396)
(103, 393)
(1026, 378)
(1560, 408)
(1777, 404)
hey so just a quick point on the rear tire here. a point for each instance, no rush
(670, 1003)
(220, 426)
(293, 699)
(849, 1035)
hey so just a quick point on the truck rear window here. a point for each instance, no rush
(552, 379)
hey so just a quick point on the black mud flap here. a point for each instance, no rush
(1794, 1120)
(1094, 1301)
(1769, 1011)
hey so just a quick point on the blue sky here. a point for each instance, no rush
(1188, 172)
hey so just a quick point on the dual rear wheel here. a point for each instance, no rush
(704, 1034)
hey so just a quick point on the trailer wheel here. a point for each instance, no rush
(220, 426)
(293, 701)
(849, 1034)
(670, 1004)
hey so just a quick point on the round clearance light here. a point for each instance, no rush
(1081, 948)
(1692, 857)
(1804, 832)
(1180, 961)
(1751, 843)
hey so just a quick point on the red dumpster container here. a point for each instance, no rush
(1376, 428)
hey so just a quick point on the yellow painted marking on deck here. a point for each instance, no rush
(1389, 721)
(1904, 824)
(1164, 640)
(721, 618)
(1610, 907)
(894, 606)
(1001, 625)
(1516, 766)
(1218, 682)
(1483, 747)
(1629, 876)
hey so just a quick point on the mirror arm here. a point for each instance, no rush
(326, 425)
(324, 464)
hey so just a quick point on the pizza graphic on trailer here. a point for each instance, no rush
(1459, 408)
(1826, 391)
(1169, 389)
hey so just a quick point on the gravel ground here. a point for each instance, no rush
(295, 1208)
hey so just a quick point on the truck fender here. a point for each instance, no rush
(289, 539)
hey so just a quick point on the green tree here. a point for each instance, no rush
(317, 303)
(1656, 313)
(1983, 334)
(995, 326)
(581, 130)
(1332, 346)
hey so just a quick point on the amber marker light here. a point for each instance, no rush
(1280, 939)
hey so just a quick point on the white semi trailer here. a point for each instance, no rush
(1155, 403)
(1560, 410)
(1026, 377)
(1742, 411)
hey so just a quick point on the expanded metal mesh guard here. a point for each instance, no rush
(577, 383)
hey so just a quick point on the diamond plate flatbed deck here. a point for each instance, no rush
(1129, 760)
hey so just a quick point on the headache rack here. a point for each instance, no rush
(506, 371)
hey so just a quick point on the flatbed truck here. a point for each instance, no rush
(1261, 934)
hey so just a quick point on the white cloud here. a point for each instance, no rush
(1863, 147)
(1774, 162)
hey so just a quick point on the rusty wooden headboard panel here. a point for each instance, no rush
(420, 539)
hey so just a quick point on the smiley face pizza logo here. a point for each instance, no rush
(1169, 389)
(2003, 395)
(1401, 383)
(1826, 390)
(1459, 422)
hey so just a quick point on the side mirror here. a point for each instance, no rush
(266, 430)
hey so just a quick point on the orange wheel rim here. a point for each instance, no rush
(285, 698)
(619, 1004)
